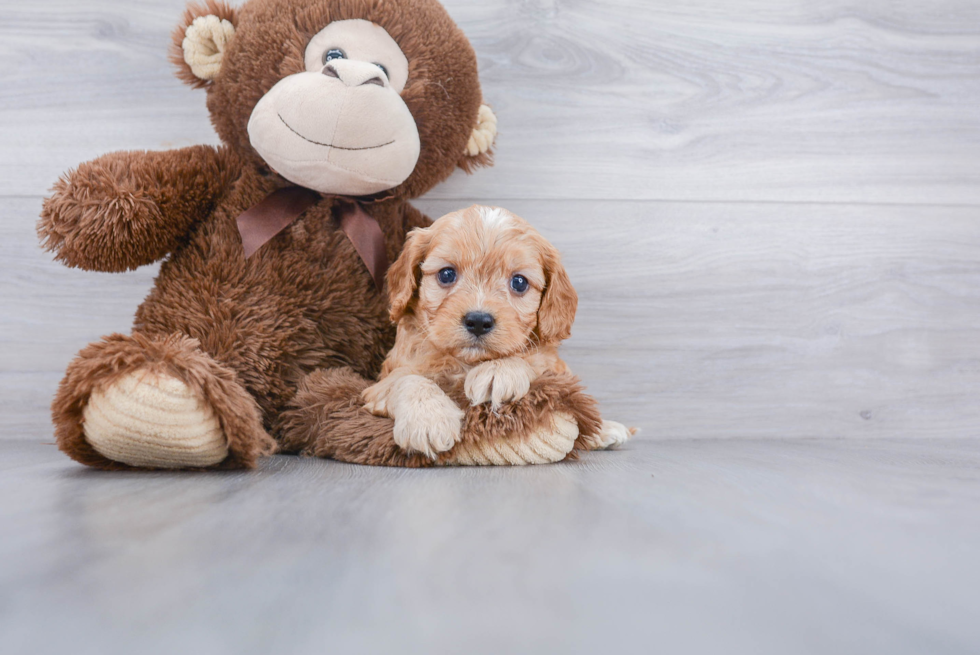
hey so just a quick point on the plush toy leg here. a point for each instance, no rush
(156, 402)
(327, 418)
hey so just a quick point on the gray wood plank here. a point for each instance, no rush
(695, 319)
(688, 546)
(623, 99)
(750, 320)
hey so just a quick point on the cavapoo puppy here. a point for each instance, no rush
(482, 302)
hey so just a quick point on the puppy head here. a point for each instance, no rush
(482, 284)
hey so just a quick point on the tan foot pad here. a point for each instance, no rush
(549, 444)
(154, 420)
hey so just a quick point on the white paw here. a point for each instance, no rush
(613, 435)
(375, 401)
(427, 421)
(499, 381)
(153, 419)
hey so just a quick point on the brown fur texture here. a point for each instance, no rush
(327, 419)
(253, 328)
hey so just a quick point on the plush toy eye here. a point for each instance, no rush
(384, 70)
(518, 283)
(333, 53)
(447, 276)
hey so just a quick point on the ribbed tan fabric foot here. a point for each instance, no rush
(550, 443)
(153, 419)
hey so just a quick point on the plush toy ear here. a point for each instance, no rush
(479, 148)
(404, 274)
(559, 301)
(200, 40)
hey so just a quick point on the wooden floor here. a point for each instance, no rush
(683, 546)
(771, 212)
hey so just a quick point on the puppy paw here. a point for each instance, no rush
(375, 399)
(613, 435)
(427, 421)
(499, 381)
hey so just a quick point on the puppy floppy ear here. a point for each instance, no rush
(404, 275)
(200, 40)
(559, 301)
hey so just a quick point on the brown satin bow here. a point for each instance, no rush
(261, 222)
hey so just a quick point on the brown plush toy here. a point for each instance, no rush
(332, 114)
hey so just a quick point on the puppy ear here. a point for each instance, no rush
(479, 149)
(404, 274)
(200, 40)
(559, 301)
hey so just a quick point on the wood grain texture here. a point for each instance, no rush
(625, 99)
(695, 320)
(755, 547)
(771, 211)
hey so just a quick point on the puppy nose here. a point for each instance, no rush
(353, 73)
(478, 323)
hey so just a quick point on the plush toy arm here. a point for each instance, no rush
(127, 209)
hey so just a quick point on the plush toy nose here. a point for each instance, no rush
(478, 323)
(354, 73)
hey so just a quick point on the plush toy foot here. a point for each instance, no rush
(550, 443)
(148, 418)
(161, 403)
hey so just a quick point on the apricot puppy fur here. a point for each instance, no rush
(482, 302)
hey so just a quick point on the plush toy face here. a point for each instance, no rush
(349, 97)
(340, 126)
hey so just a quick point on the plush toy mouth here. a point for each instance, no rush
(329, 145)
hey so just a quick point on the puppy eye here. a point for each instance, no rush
(333, 53)
(518, 283)
(447, 276)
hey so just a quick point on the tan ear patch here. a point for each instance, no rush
(204, 45)
(483, 134)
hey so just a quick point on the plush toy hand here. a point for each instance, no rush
(499, 381)
(128, 209)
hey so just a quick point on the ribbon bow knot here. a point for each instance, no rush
(259, 223)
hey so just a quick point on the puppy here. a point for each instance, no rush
(481, 301)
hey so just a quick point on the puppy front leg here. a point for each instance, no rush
(499, 381)
(377, 395)
(426, 419)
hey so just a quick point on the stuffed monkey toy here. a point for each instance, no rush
(332, 114)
